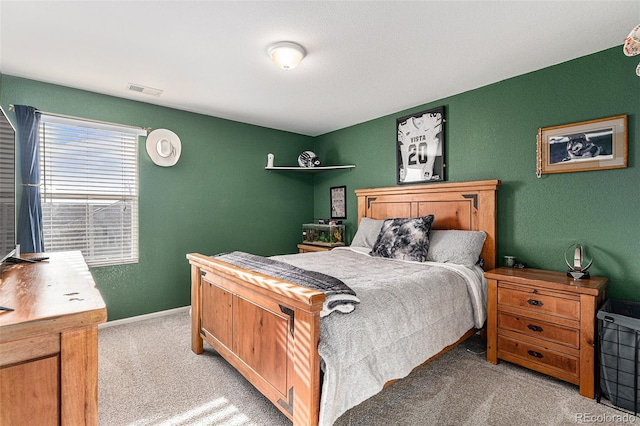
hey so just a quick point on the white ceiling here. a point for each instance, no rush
(365, 59)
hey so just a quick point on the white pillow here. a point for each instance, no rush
(367, 232)
(455, 246)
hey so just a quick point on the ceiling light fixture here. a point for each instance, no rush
(285, 54)
(632, 45)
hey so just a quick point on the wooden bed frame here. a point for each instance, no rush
(269, 329)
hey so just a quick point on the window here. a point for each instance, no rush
(89, 189)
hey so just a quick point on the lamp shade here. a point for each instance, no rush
(286, 55)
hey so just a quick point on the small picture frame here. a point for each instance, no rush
(588, 145)
(420, 147)
(338, 198)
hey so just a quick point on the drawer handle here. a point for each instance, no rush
(534, 302)
(535, 354)
(535, 328)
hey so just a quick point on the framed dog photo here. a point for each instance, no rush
(589, 145)
(420, 147)
(338, 196)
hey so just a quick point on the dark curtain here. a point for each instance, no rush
(30, 214)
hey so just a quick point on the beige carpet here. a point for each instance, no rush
(149, 376)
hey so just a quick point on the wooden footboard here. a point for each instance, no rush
(267, 328)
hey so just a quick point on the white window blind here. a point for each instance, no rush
(89, 189)
(7, 186)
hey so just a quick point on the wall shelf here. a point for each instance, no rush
(311, 169)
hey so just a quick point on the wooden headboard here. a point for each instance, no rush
(456, 205)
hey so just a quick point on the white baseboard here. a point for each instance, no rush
(144, 317)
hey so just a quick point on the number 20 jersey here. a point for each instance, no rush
(418, 143)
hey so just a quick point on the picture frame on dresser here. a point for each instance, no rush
(420, 147)
(588, 145)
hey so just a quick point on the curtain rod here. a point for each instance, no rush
(53, 114)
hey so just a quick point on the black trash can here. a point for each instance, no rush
(619, 353)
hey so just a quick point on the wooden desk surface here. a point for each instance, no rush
(54, 294)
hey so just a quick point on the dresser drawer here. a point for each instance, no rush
(541, 302)
(534, 354)
(539, 329)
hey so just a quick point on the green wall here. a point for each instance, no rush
(217, 198)
(491, 134)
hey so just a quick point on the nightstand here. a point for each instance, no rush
(545, 321)
(308, 248)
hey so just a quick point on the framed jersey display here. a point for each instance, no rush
(420, 147)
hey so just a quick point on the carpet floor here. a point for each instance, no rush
(149, 376)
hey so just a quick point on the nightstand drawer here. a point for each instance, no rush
(534, 354)
(539, 329)
(542, 302)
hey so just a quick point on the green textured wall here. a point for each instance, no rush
(491, 134)
(217, 198)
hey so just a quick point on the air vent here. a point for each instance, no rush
(143, 89)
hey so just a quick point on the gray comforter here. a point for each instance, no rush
(409, 311)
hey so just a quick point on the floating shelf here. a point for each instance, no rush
(311, 169)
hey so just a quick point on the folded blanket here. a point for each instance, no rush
(339, 296)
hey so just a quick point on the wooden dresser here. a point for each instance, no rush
(545, 321)
(309, 248)
(49, 343)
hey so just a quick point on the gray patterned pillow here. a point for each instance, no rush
(406, 239)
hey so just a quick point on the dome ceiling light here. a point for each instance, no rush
(285, 54)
